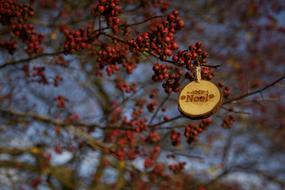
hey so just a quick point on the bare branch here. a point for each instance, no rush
(44, 119)
(168, 121)
(158, 108)
(13, 63)
(168, 61)
(255, 91)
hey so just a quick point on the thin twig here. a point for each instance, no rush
(255, 91)
(152, 54)
(234, 111)
(44, 119)
(10, 63)
(167, 121)
(158, 108)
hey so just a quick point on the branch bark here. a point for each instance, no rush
(255, 91)
(17, 62)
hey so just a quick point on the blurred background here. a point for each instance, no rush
(41, 95)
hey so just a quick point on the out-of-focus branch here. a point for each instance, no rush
(158, 108)
(167, 121)
(44, 119)
(192, 156)
(18, 165)
(18, 151)
(223, 173)
(271, 177)
(234, 111)
(13, 63)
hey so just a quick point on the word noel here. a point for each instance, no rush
(197, 96)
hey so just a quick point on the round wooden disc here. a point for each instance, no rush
(199, 100)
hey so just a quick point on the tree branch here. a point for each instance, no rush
(168, 61)
(255, 91)
(11, 63)
(158, 108)
(167, 121)
(44, 119)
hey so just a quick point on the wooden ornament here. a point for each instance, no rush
(199, 99)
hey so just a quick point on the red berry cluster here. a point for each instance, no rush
(137, 113)
(176, 168)
(27, 34)
(61, 61)
(57, 80)
(10, 46)
(125, 141)
(152, 105)
(116, 113)
(60, 101)
(153, 93)
(111, 56)
(140, 103)
(35, 182)
(72, 117)
(58, 149)
(126, 138)
(47, 4)
(207, 73)
(228, 121)
(170, 74)
(158, 169)
(153, 137)
(132, 153)
(111, 69)
(192, 131)
(76, 40)
(13, 12)
(14, 15)
(226, 90)
(111, 10)
(153, 155)
(190, 56)
(175, 137)
(125, 87)
(161, 40)
(162, 5)
(148, 162)
(129, 66)
(137, 123)
(38, 74)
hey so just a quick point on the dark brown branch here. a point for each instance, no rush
(184, 154)
(167, 121)
(13, 63)
(43, 119)
(128, 25)
(142, 22)
(168, 61)
(234, 111)
(158, 108)
(224, 173)
(255, 91)
(174, 63)
(18, 165)
(168, 128)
